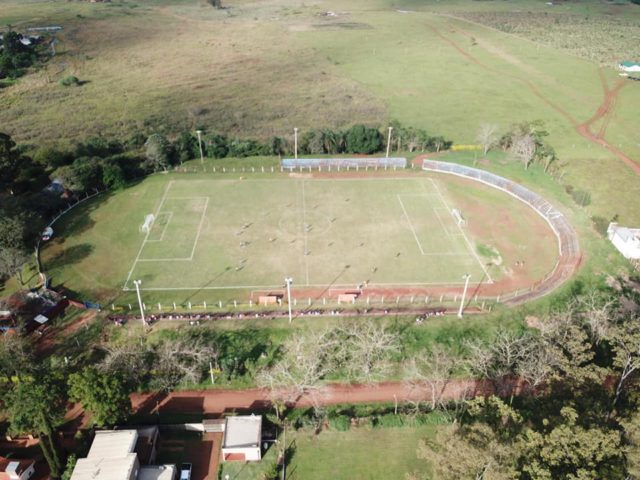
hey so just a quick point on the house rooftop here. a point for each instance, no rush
(94, 468)
(625, 233)
(113, 444)
(242, 431)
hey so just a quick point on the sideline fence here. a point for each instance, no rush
(356, 163)
(568, 246)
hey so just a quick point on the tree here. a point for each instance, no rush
(362, 139)
(487, 136)
(523, 147)
(12, 261)
(364, 351)
(36, 407)
(432, 369)
(113, 177)
(305, 360)
(215, 3)
(181, 361)
(186, 147)
(16, 358)
(217, 146)
(12, 164)
(104, 396)
(158, 152)
(625, 340)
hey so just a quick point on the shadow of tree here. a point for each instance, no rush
(69, 256)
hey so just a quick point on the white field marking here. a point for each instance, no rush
(187, 259)
(444, 228)
(447, 229)
(165, 226)
(188, 198)
(484, 269)
(406, 215)
(195, 243)
(262, 288)
(164, 196)
(304, 225)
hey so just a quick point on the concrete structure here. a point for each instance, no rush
(157, 472)
(14, 469)
(242, 437)
(626, 240)
(117, 455)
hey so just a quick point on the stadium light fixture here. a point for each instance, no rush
(464, 293)
(389, 141)
(289, 281)
(137, 284)
(295, 142)
(199, 132)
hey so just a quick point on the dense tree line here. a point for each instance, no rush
(581, 417)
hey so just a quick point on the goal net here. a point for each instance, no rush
(457, 215)
(148, 222)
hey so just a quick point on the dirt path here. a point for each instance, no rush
(217, 402)
(604, 110)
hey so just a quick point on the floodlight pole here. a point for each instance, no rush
(389, 141)
(289, 281)
(199, 132)
(464, 293)
(295, 141)
(137, 284)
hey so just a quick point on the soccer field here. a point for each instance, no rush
(213, 234)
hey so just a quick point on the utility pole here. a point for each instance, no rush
(289, 281)
(284, 449)
(137, 284)
(295, 142)
(199, 132)
(389, 141)
(464, 293)
(211, 373)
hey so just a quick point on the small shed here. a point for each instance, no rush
(630, 67)
(626, 240)
(242, 437)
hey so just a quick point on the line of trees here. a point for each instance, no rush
(15, 57)
(582, 417)
(525, 141)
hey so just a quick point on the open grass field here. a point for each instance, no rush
(223, 235)
(259, 68)
(363, 453)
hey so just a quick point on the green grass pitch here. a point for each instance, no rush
(221, 233)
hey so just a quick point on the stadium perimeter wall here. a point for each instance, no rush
(357, 162)
(568, 246)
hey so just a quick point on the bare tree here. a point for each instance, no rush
(431, 369)
(365, 351)
(181, 361)
(304, 363)
(487, 136)
(131, 357)
(597, 313)
(626, 346)
(523, 147)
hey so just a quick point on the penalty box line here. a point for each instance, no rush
(144, 241)
(464, 235)
(170, 216)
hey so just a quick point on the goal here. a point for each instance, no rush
(457, 215)
(148, 222)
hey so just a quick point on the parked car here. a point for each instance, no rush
(185, 471)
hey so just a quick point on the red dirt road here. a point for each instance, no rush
(217, 402)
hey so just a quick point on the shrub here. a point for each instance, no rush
(388, 420)
(361, 139)
(341, 423)
(581, 197)
(70, 81)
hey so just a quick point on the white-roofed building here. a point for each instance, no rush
(626, 240)
(242, 437)
(114, 456)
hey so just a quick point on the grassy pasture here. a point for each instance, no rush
(217, 235)
(362, 453)
(258, 68)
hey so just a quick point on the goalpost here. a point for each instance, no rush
(457, 215)
(148, 222)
